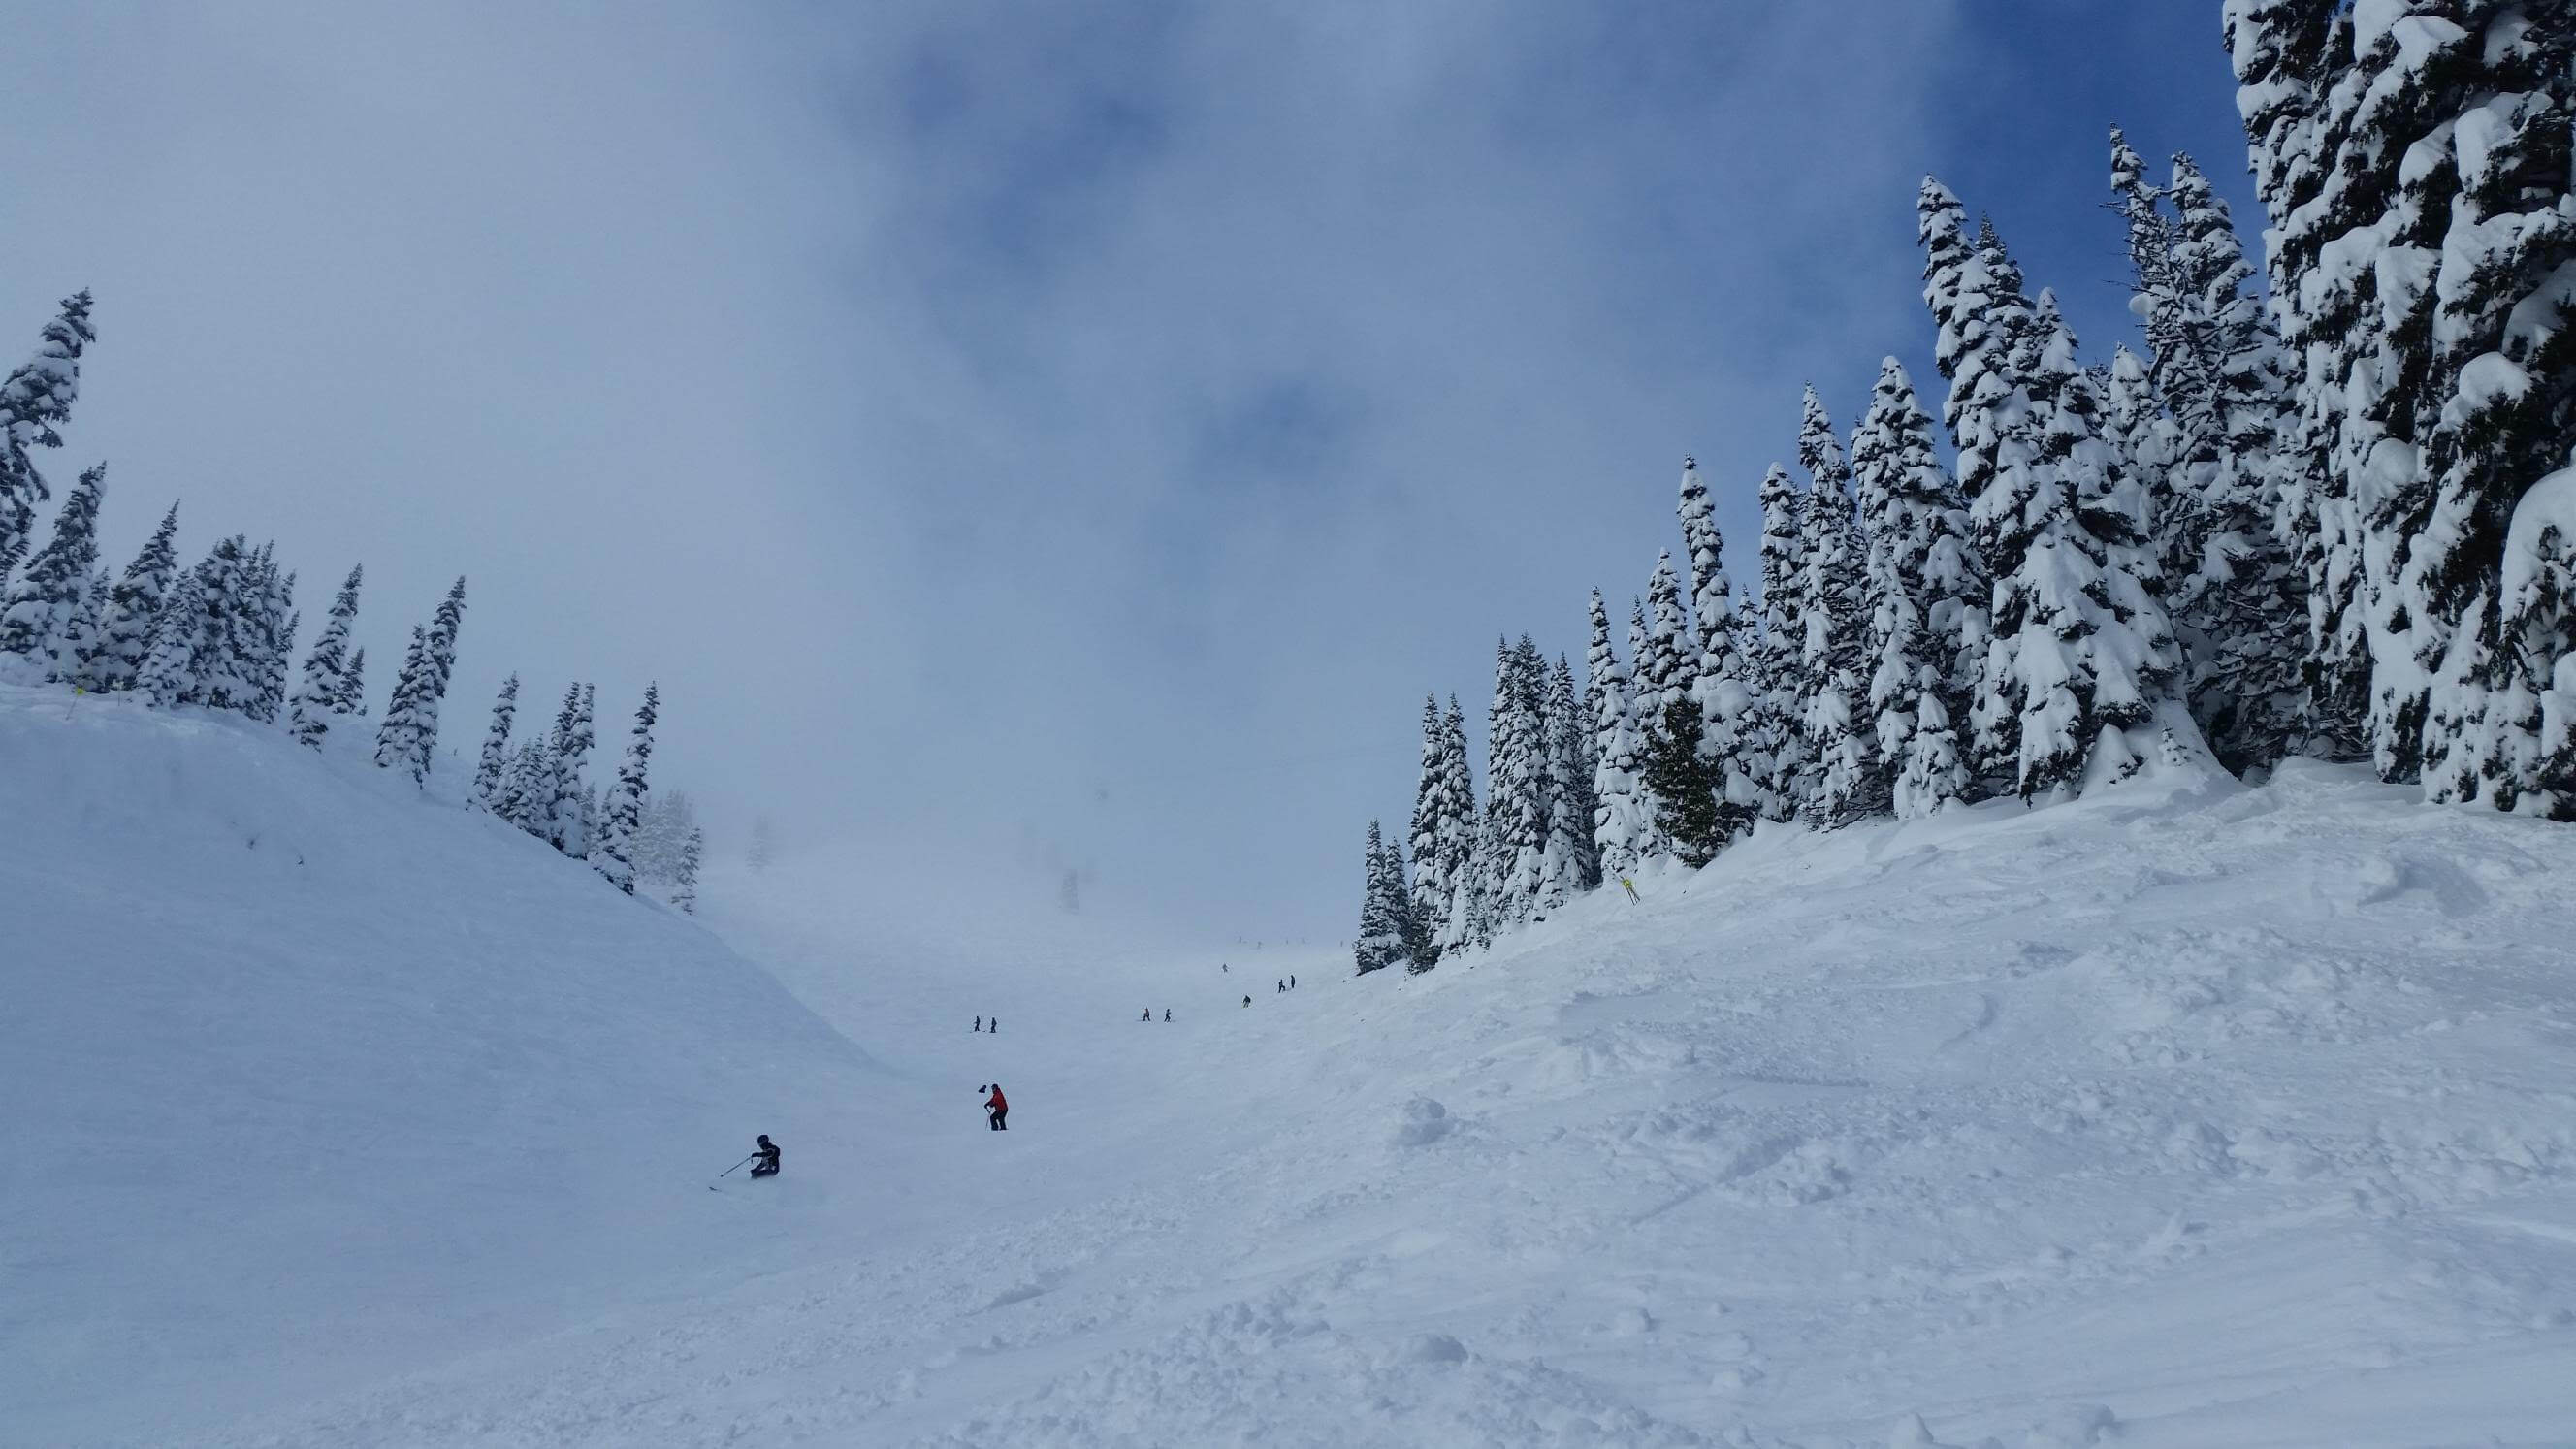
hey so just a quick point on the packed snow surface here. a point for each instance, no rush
(2203, 1117)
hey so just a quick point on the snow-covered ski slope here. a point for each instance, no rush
(2200, 1117)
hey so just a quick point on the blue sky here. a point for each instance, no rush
(1049, 436)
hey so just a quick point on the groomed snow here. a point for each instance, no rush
(2217, 1118)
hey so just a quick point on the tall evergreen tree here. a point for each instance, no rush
(353, 685)
(272, 624)
(1569, 866)
(81, 636)
(1662, 676)
(1927, 594)
(2212, 468)
(168, 674)
(1433, 815)
(33, 399)
(318, 695)
(1621, 815)
(1650, 841)
(2082, 653)
(2500, 399)
(1516, 805)
(1840, 780)
(1459, 839)
(625, 805)
(684, 885)
(496, 748)
(438, 664)
(1979, 315)
(40, 611)
(1685, 789)
(1777, 684)
(569, 749)
(125, 624)
(2291, 57)
(1725, 684)
(398, 735)
(1380, 940)
(527, 789)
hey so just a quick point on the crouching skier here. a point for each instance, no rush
(1000, 1108)
(768, 1155)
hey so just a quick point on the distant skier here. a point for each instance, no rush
(1149, 1014)
(1283, 988)
(1000, 1108)
(1167, 1013)
(1292, 983)
(1247, 1001)
(979, 1023)
(994, 1028)
(767, 1166)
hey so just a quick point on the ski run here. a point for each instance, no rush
(2065, 940)
(2179, 1115)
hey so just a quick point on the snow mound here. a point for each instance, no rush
(309, 1077)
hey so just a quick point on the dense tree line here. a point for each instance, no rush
(221, 635)
(2331, 516)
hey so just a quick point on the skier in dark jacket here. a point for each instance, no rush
(767, 1166)
(1000, 1108)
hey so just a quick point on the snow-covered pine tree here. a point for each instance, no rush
(625, 806)
(80, 637)
(168, 674)
(1684, 789)
(438, 664)
(2082, 654)
(1464, 924)
(1430, 829)
(2369, 249)
(273, 625)
(2243, 587)
(1621, 816)
(1570, 866)
(1412, 944)
(34, 398)
(353, 685)
(1516, 804)
(1726, 683)
(1978, 314)
(569, 750)
(527, 789)
(1650, 843)
(318, 694)
(496, 749)
(2211, 470)
(229, 597)
(1840, 780)
(1380, 938)
(2500, 404)
(1927, 595)
(125, 625)
(684, 884)
(40, 610)
(398, 734)
(1662, 673)
(2290, 56)
(1783, 642)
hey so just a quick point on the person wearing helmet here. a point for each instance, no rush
(1000, 1108)
(767, 1166)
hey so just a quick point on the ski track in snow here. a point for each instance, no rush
(2217, 1118)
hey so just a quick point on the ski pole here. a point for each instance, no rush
(728, 1172)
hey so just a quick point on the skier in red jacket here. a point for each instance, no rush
(1000, 1107)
